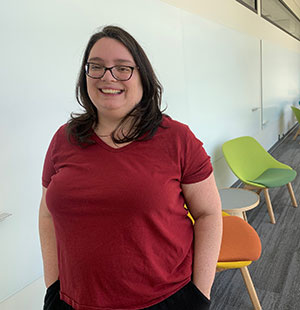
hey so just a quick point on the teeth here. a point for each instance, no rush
(110, 91)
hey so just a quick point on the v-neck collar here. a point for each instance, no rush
(100, 142)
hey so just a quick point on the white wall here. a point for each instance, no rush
(234, 15)
(41, 47)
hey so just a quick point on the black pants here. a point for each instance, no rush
(188, 298)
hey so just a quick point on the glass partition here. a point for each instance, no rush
(251, 4)
(278, 13)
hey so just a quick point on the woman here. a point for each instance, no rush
(113, 226)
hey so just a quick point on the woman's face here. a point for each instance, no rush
(112, 98)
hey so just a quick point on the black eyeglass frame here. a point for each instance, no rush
(86, 68)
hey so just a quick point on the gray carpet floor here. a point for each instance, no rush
(276, 275)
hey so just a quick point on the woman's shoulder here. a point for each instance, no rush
(60, 135)
(61, 131)
(178, 131)
(174, 126)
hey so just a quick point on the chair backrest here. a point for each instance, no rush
(240, 241)
(296, 113)
(247, 158)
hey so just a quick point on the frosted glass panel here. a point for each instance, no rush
(281, 80)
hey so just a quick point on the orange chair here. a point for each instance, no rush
(240, 246)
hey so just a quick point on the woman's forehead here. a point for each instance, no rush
(110, 49)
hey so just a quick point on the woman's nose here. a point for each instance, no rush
(108, 76)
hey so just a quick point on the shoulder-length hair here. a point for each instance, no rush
(145, 117)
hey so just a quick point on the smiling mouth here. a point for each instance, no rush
(109, 91)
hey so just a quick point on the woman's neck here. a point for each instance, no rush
(105, 128)
(105, 125)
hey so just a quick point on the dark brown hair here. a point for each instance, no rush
(146, 115)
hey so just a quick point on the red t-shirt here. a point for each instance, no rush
(123, 236)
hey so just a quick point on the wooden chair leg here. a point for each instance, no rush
(258, 191)
(250, 288)
(296, 134)
(269, 205)
(290, 188)
(245, 216)
(251, 187)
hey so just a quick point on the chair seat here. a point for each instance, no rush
(275, 177)
(240, 242)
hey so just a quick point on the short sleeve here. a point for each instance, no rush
(196, 163)
(48, 169)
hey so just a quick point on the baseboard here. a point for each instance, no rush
(31, 297)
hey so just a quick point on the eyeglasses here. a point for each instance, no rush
(119, 72)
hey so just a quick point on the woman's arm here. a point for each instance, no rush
(48, 242)
(204, 204)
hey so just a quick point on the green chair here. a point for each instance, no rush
(297, 114)
(257, 169)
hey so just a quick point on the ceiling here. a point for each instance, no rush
(294, 5)
(297, 2)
